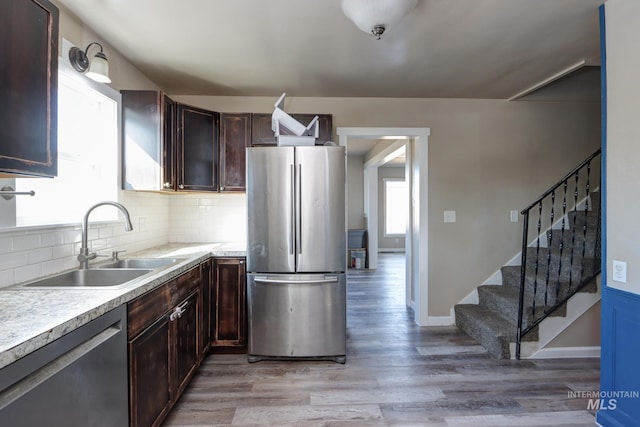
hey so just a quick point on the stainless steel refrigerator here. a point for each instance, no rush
(296, 253)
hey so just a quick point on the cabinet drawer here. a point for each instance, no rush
(146, 309)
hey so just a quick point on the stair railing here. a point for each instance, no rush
(561, 254)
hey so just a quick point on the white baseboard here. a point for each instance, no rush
(393, 250)
(439, 321)
(567, 352)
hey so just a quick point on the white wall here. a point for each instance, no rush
(623, 141)
(355, 192)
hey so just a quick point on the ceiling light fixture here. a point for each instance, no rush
(375, 16)
(98, 67)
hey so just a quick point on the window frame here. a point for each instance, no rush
(384, 210)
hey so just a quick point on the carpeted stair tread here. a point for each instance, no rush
(488, 328)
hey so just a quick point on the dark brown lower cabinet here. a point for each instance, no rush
(229, 322)
(164, 348)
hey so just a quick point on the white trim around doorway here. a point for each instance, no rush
(417, 238)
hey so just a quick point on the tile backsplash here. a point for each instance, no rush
(27, 253)
(216, 217)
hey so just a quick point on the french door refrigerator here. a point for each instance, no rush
(296, 252)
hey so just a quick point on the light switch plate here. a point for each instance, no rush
(620, 271)
(449, 216)
(514, 216)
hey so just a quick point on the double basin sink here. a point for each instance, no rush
(108, 275)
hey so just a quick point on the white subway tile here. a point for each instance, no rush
(56, 266)
(13, 260)
(6, 244)
(27, 242)
(7, 278)
(63, 251)
(72, 236)
(40, 255)
(30, 272)
(52, 239)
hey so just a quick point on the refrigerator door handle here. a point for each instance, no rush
(333, 279)
(298, 198)
(293, 210)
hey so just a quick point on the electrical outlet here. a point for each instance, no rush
(514, 216)
(620, 271)
(142, 223)
(449, 216)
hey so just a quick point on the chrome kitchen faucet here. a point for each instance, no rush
(85, 256)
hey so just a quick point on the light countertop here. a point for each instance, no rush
(30, 318)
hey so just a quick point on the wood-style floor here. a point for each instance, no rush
(396, 374)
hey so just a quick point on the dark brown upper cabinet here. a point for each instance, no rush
(262, 134)
(235, 137)
(149, 138)
(28, 88)
(198, 140)
(168, 146)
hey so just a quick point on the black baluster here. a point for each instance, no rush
(573, 229)
(586, 218)
(537, 262)
(549, 242)
(563, 225)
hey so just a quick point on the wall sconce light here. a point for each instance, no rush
(98, 67)
(375, 16)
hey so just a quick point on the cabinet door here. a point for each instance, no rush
(262, 134)
(185, 321)
(149, 375)
(169, 116)
(29, 87)
(230, 328)
(148, 135)
(197, 163)
(205, 320)
(235, 136)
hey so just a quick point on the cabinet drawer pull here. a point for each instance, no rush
(183, 307)
(179, 311)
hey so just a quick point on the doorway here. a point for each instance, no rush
(415, 143)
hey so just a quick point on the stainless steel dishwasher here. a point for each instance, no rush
(78, 380)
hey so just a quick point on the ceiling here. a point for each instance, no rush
(491, 49)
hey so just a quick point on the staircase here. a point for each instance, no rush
(560, 259)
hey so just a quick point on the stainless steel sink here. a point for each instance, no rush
(151, 263)
(91, 278)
